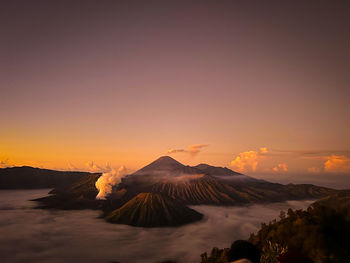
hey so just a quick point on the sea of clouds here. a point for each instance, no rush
(35, 235)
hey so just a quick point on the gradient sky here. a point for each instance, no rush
(122, 83)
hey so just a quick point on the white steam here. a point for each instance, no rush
(107, 180)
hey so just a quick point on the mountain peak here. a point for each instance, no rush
(164, 163)
(166, 160)
(163, 167)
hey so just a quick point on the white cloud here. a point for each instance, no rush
(191, 149)
(337, 163)
(280, 168)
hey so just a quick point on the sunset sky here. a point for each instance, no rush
(259, 88)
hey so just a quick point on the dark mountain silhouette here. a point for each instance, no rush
(150, 210)
(26, 177)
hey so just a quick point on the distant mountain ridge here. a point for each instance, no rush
(218, 171)
(26, 177)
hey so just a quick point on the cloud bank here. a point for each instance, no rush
(92, 167)
(249, 160)
(337, 163)
(333, 164)
(80, 236)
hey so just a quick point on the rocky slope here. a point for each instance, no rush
(151, 210)
(204, 190)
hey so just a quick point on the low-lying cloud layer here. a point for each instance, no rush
(40, 236)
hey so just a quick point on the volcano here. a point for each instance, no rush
(159, 193)
(210, 185)
(164, 168)
(150, 210)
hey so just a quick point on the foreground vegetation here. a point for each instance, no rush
(321, 232)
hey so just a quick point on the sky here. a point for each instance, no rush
(262, 88)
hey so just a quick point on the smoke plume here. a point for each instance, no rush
(107, 180)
